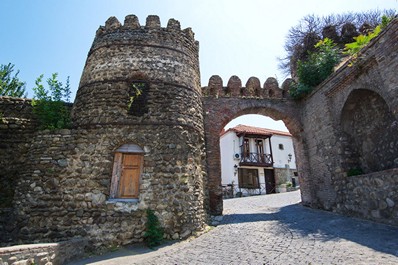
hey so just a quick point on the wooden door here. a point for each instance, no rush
(130, 176)
(269, 181)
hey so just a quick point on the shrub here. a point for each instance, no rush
(297, 42)
(154, 232)
(48, 105)
(361, 41)
(299, 90)
(316, 69)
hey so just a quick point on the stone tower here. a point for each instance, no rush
(140, 92)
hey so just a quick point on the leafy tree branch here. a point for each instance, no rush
(49, 104)
(10, 85)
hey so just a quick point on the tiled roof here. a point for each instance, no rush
(254, 130)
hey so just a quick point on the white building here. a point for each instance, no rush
(256, 160)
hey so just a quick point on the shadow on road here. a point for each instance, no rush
(326, 226)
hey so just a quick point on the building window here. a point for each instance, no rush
(246, 148)
(248, 178)
(127, 168)
(281, 147)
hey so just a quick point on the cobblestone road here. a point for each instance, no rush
(274, 229)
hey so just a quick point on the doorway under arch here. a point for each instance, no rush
(257, 157)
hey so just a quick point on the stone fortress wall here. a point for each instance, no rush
(351, 122)
(56, 185)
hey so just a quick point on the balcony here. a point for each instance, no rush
(255, 159)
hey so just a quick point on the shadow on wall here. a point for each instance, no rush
(369, 133)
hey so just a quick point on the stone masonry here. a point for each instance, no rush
(141, 86)
(62, 178)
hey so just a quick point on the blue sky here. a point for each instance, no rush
(242, 38)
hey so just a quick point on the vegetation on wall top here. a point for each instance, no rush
(49, 105)
(316, 68)
(352, 49)
(301, 38)
(10, 85)
(321, 59)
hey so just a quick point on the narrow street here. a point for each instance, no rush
(273, 229)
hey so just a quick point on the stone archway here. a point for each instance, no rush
(369, 130)
(221, 105)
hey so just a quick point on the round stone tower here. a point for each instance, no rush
(165, 58)
(140, 92)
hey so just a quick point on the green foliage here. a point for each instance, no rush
(316, 69)
(354, 171)
(385, 20)
(11, 85)
(299, 38)
(361, 41)
(154, 232)
(299, 90)
(137, 90)
(49, 105)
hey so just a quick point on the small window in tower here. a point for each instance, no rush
(138, 98)
(281, 147)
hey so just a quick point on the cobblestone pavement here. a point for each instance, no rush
(275, 229)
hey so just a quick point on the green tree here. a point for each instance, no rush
(49, 105)
(316, 68)
(301, 38)
(10, 85)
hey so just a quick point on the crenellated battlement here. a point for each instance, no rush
(252, 89)
(132, 29)
(131, 22)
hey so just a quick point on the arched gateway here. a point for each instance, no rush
(222, 104)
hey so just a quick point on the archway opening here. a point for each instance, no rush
(220, 111)
(257, 157)
(369, 133)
